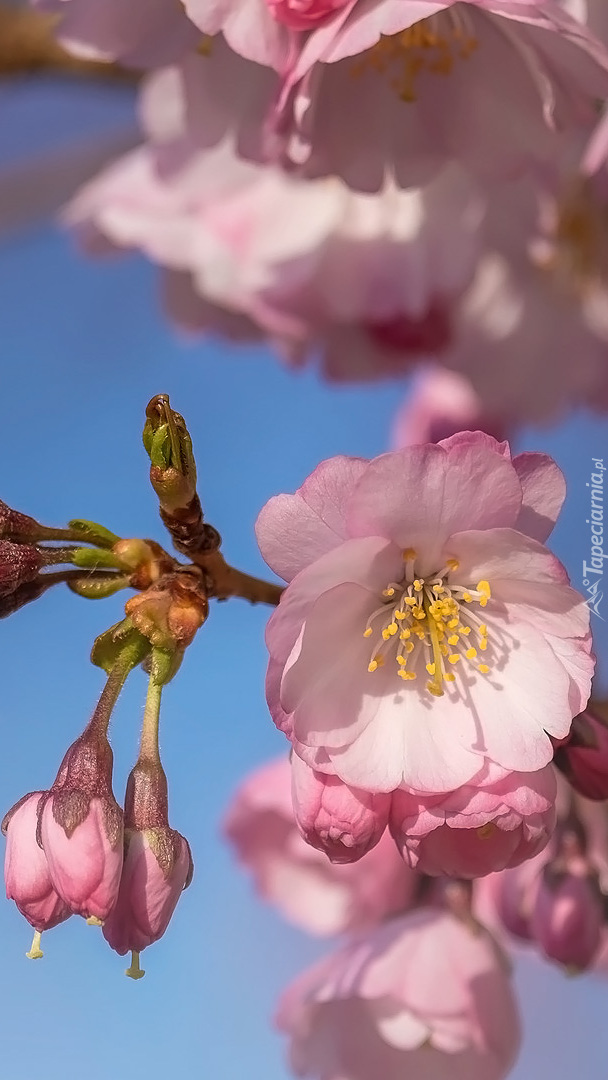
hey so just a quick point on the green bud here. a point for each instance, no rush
(93, 533)
(100, 587)
(96, 558)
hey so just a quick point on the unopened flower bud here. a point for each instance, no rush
(81, 829)
(583, 758)
(342, 821)
(16, 526)
(157, 866)
(170, 613)
(19, 565)
(26, 872)
(567, 917)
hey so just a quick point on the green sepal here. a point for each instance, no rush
(122, 638)
(163, 664)
(93, 533)
(99, 588)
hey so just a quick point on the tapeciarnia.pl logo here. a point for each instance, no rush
(593, 571)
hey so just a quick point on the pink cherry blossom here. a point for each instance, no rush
(140, 33)
(26, 873)
(439, 404)
(386, 561)
(424, 996)
(487, 82)
(478, 829)
(364, 282)
(150, 888)
(320, 897)
(343, 822)
(85, 864)
(80, 825)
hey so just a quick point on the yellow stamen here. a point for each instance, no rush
(452, 564)
(430, 668)
(388, 592)
(418, 585)
(484, 669)
(372, 666)
(408, 554)
(368, 632)
(454, 658)
(453, 639)
(471, 653)
(94, 921)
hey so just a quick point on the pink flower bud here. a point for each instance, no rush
(81, 829)
(19, 564)
(583, 758)
(567, 917)
(26, 873)
(157, 868)
(303, 14)
(342, 821)
(157, 865)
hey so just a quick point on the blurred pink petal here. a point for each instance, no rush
(311, 892)
(424, 996)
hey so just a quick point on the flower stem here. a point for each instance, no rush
(129, 658)
(148, 747)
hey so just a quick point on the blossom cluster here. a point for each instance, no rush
(371, 185)
(376, 184)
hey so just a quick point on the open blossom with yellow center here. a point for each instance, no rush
(487, 83)
(427, 633)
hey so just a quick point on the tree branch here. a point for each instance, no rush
(27, 45)
(224, 581)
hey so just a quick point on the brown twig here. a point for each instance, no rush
(27, 45)
(225, 581)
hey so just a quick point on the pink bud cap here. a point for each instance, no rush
(583, 758)
(567, 918)
(26, 872)
(85, 860)
(157, 868)
(342, 821)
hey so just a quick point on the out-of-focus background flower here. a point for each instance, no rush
(84, 346)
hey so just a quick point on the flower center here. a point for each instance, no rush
(432, 44)
(425, 616)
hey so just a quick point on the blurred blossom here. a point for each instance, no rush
(488, 83)
(426, 995)
(557, 902)
(140, 33)
(365, 280)
(309, 890)
(411, 628)
(439, 404)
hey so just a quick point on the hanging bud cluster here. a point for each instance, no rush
(72, 850)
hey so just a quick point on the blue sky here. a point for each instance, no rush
(84, 346)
